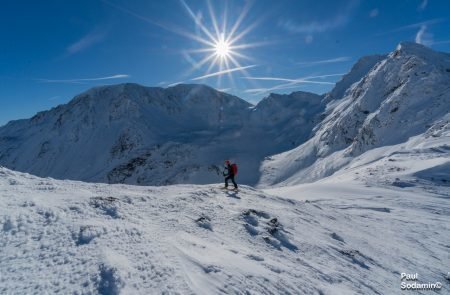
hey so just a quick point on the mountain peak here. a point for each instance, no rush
(295, 97)
(411, 46)
(419, 50)
(357, 72)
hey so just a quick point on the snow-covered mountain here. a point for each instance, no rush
(140, 135)
(132, 134)
(357, 72)
(404, 94)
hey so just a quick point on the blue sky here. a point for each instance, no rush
(52, 50)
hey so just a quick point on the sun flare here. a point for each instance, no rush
(221, 42)
(222, 48)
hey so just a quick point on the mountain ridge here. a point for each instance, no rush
(133, 134)
(117, 133)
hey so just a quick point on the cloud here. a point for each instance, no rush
(420, 34)
(374, 12)
(314, 26)
(86, 41)
(219, 73)
(416, 25)
(325, 61)
(422, 37)
(82, 80)
(319, 26)
(308, 39)
(422, 5)
(170, 27)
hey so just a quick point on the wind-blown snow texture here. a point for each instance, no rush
(140, 135)
(351, 233)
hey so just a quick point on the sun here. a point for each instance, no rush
(220, 44)
(222, 48)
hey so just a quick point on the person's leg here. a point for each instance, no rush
(234, 182)
(226, 180)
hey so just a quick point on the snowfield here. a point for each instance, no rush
(352, 233)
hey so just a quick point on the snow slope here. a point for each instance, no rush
(132, 134)
(351, 233)
(402, 96)
(357, 72)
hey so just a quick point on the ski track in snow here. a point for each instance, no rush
(73, 237)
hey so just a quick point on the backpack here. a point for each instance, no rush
(234, 168)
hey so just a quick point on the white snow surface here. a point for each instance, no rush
(358, 71)
(350, 233)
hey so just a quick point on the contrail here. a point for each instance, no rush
(303, 79)
(325, 61)
(291, 82)
(223, 72)
(120, 76)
